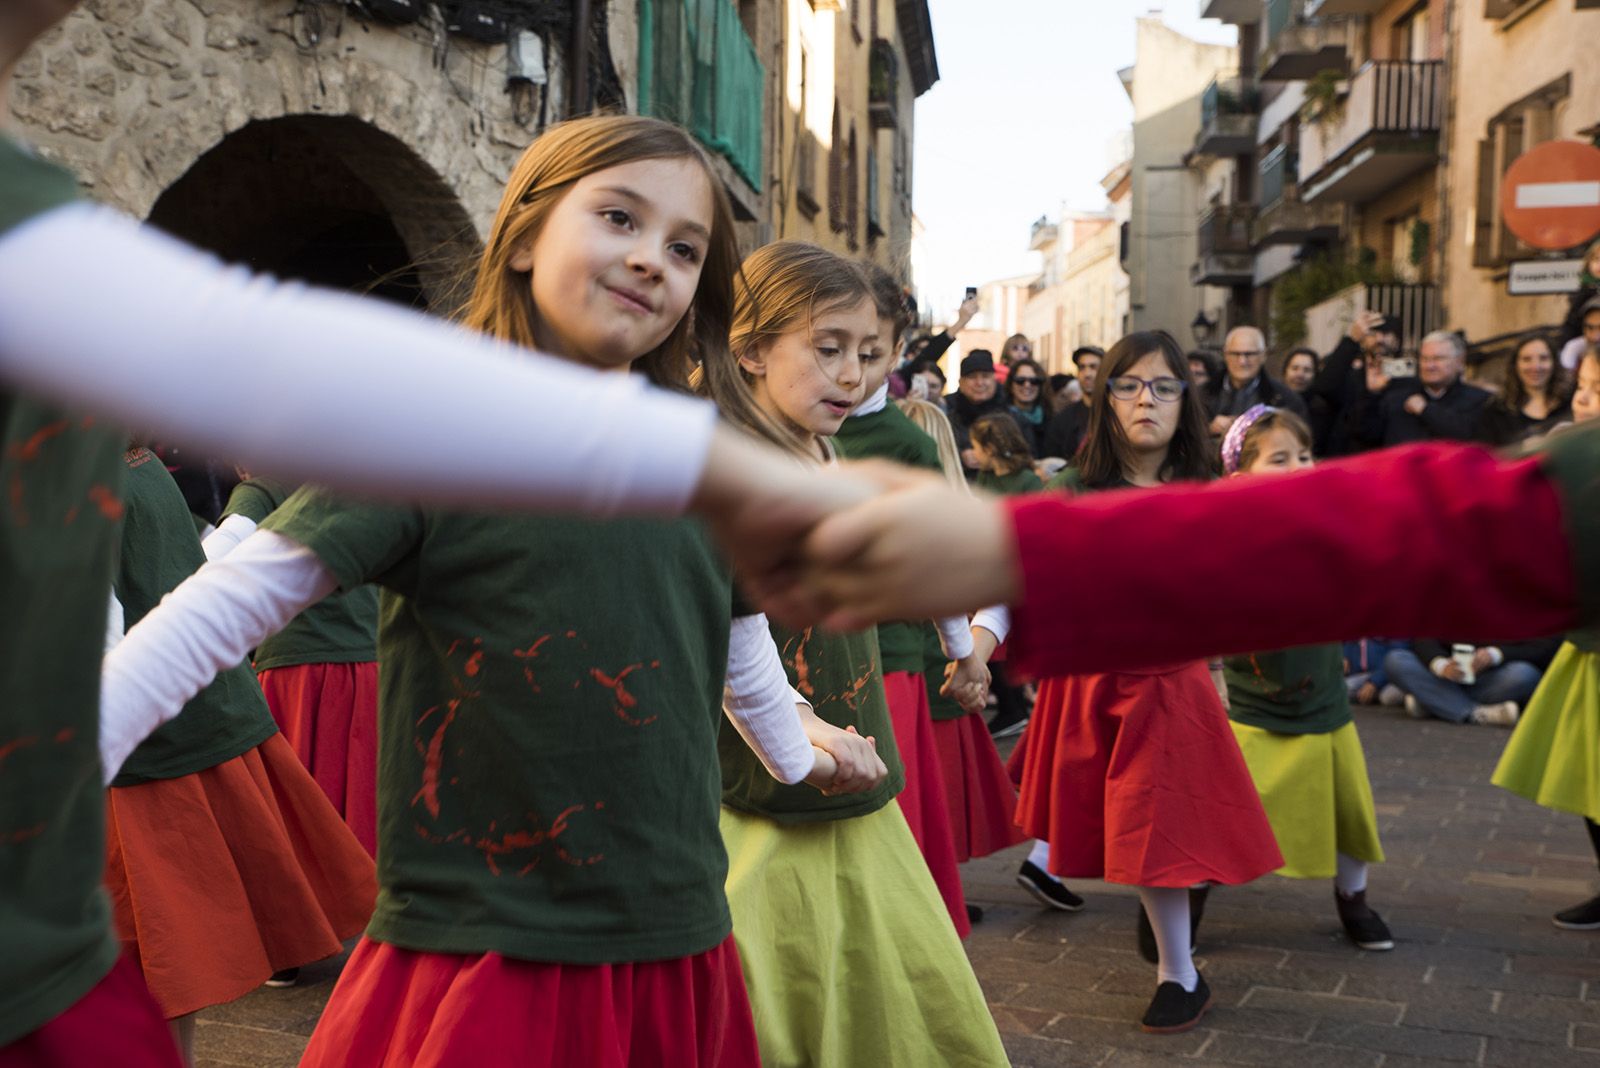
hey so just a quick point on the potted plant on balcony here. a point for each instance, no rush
(1324, 103)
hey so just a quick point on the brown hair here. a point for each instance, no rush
(1002, 439)
(501, 303)
(931, 418)
(1106, 456)
(1250, 447)
(1513, 394)
(779, 287)
(890, 299)
(1004, 349)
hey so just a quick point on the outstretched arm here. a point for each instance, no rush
(206, 625)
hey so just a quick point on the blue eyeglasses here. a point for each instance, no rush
(1164, 389)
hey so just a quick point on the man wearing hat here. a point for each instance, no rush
(975, 396)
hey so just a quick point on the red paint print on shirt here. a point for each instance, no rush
(433, 758)
(625, 700)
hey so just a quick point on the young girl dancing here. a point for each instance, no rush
(982, 799)
(1291, 716)
(226, 864)
(847, 953)
(1553, 758)
(1133, 777)
(445, 419)
(320, 673)
(550, 883)
(878, 428)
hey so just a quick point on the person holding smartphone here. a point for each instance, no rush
(1433, 405)
(1341, 383)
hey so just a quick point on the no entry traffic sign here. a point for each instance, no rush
(1551, 195)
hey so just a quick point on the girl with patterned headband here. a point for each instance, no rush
(1290, 713)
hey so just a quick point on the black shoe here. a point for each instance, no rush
(1004, 726)
(1147, 935)
(1036, 881)
(1365, 927)
(1584, 917)
(1175, 1009)
(287, 977)
(974, 914)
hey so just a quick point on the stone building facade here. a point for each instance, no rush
(293, 135)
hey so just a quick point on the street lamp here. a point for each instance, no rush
(1203, 327)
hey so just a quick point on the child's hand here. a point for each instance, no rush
(824, 769)
(857, 767)
(967, 681)
(870, 562)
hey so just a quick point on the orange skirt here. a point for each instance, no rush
(1136, 778)
(329, 714)
(402, 1008)
(923, 799)
(220, 878)
(981, 800)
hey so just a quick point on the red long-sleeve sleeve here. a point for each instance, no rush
(1420, 541)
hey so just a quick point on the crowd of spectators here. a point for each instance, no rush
(1016, 424)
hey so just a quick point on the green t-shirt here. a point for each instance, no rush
(61, 477)
(159, 550)
(839, 675)
(548, 707)
(1022, 480)
(1572, 458)
(890, 434)
(1292, 691)
(342, 628)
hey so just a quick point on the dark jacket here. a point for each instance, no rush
(1064, 434)
(1340, 386)
(1268, 390)
(1455, 416)
(1538, 652)
(1032, 432)
(963, 413)
(1499, 425)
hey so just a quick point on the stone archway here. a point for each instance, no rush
(327, 199)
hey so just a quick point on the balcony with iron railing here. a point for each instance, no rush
(1295, 47)
(1283, 217)
(883, 77)
(1223, 243)
(1384, 130)
(1228, 110)
(1043, 234)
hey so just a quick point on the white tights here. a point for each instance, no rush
(1168, 909)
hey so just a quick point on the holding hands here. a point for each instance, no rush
(967, 682)
(846, 762)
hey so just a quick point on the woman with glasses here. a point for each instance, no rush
(1134, 777)
(1028, 402)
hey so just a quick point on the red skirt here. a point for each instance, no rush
(981, 800)
(220, 878)
(400, 1008)
(328, 713)
(1137, 779)
(923, 799)
(116, 1022)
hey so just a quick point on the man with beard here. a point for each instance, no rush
(1341, 385)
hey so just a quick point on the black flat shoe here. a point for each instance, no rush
(1364, 926)
(974, 914)
(1584, 917)
(1036, 881)
(1175, 1009)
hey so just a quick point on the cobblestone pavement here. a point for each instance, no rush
(1478, 976)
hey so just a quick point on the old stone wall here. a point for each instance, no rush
(131, 93)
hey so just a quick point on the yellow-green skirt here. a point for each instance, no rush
(849, 955)
(1317, 796)
(1553, 758)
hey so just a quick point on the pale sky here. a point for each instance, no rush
(1022, 120)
